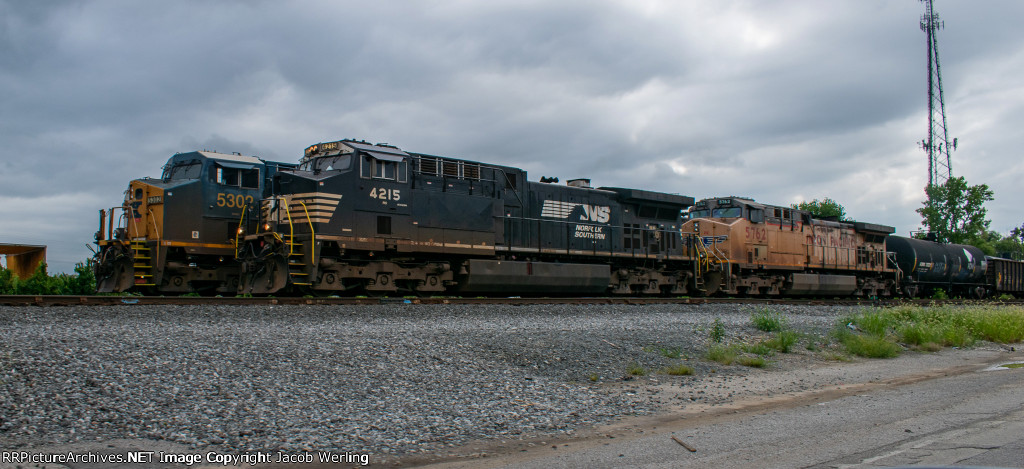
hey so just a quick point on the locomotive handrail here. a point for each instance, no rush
(312, 235)
(238, 232)
(291, 226)
(156, 229)
(152, 219)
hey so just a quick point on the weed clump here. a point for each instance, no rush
(783, 341)
(721, 354)
(679, 370)
(767, 320)
(929, 328)
(636, 370)
(717, 331)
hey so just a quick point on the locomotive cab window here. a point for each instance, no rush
(244, 177)
(189, 170)
(728, 212)
(381, 166)
(329, 163)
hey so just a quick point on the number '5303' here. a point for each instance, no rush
(233, 200)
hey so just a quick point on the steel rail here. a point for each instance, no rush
(116, 300)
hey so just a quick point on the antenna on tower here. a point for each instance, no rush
(937, 144)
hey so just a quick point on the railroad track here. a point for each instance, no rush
(113, 300)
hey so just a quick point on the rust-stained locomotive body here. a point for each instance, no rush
(771, 250)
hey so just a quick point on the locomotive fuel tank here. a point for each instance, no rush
(929, 262)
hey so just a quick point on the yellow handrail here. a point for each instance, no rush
(312, 234)
(238, 232)
(291, 227)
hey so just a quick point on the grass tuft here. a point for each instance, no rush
(783, 341)
(754, 362)
(767, 320)
(671, 352)
(870, 346)
(679, 370)
(721, 354)
(636, 370)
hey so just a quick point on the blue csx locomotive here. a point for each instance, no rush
(373, 219)
(178, 233)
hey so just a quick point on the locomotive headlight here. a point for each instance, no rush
(266, 227)
(241, 231)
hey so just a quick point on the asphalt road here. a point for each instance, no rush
(963, 413)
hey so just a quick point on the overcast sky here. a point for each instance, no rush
(782, 101)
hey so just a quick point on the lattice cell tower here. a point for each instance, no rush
(937, 145)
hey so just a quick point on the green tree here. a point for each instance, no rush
(38, 284)
(956, 212)
(823, 208)
(83, 282)
(8, 282)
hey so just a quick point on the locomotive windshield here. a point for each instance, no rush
(183, 170)
(328, 163)
(727, 212)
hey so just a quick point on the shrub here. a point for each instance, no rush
(767, 320)
(40, 283)
(783, 341)
(717, 331)
(636, 370)
(8, 282)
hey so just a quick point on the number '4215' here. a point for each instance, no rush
(385, 194)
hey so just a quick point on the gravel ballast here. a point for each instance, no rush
(383, 380)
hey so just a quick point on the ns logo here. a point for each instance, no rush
(595, 213)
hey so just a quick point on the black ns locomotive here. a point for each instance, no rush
(373, 219)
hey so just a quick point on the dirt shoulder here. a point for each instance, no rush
(793, 380)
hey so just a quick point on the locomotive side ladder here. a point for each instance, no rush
(705, 260)
(142, 263)
(297, 273)
(142, 259)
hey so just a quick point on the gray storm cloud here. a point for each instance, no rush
(781, 101)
